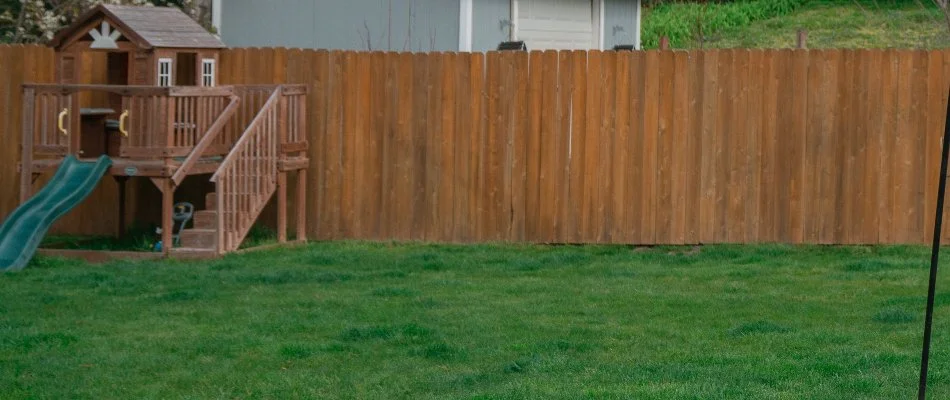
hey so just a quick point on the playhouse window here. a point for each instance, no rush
(207, 72)
(164, 72)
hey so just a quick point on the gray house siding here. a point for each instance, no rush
(490, 24)
(491, 19)
(414, 25)
(620, 25)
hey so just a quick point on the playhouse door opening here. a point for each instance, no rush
(186, 69)
(118, 65)
(99, 116)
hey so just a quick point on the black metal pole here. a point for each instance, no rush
(934, 258)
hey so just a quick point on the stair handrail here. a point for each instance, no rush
(209, 137)
(245, 137)
(247, 177)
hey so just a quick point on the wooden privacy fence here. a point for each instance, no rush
(797, 146)
(828, 146)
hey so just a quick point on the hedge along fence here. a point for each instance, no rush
(796, 146)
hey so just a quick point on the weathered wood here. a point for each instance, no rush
(779, 153)
(281, 207)
(168, 200)
(26, 158)
(202, 91)
(301, 205)
(293, 163)
(249, 176)
(208, 137)
(294, 147)
(130, 90)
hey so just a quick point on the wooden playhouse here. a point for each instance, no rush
(163, 117)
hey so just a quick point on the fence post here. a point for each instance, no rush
(664, 43)
(802, 38)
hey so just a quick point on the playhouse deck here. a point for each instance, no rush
(246, 137)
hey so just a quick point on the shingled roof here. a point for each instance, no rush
(148, 27)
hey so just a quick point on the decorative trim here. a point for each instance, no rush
(104, 37)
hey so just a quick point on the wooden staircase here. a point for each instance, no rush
(252, 172)
(200, 241)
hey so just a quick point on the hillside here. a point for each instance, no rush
(830, 24)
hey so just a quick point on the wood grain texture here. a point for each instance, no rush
(665, 150)
(710, 159)
(818, 146)
(576, 162)
(651, 114)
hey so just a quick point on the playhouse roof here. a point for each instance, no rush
(147, 27)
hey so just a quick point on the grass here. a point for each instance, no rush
(142, 239)
(361, 320)
(840, 24)
(680, 21)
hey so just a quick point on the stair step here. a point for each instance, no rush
(211, 201)
(206, 219)
(199, 238)
(192, 253)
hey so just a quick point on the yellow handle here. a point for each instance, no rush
(62, 114)
(122, 118)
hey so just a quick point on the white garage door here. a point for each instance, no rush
(555, 24)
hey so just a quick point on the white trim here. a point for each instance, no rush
(636, 26)
(208, 75)
(169, 74)
(601, 26)
(513, 24)
(466, 19)
(216, 15)
(602, 16)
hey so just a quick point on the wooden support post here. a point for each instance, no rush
(120, 181)
(26, 158)
(168, 201)
(802, 38)
(301, 205)
(664, 43)
(282, 207)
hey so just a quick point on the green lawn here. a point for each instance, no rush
(843, 24)
(358, 320)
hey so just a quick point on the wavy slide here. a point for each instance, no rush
(23, 230)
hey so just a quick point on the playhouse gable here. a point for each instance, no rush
(111, 27)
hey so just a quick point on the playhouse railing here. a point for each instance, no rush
(294, 113)
(154, 122)
(47, 116)
(212, 143)
(252, 99)
(247, 178)
(170, 125)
